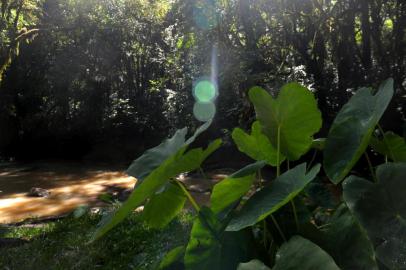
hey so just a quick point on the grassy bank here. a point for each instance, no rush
(63, 244)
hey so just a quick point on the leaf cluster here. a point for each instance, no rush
(280, 225)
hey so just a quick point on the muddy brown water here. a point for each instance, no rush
(72, 185)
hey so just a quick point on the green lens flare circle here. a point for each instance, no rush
(204, 111)
(205, 91)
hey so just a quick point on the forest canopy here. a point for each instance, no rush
(93, 78)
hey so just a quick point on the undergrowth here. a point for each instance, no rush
(63, 244)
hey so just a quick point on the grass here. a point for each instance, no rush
(63, 244)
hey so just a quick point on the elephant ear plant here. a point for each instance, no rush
(282, 224)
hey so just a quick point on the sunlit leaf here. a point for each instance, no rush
(164, 206)
(176, 164)
(293, 115)
(233, 187)
(153, 157)
(256, 145)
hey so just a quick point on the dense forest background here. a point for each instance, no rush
(105, 79)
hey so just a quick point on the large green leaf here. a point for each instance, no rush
(233, 187)
(253, 265)
(381, 210)
(176, 164)
(237, 247)
(293, 115)
(348, 243)
(204, 248)
(153, 157)
(300, 253)
(163, 207)
(297, 253)
(256, 145)
(270, 198)
(391, 145)
(351, 130)
(198, 131)
(173, 260)
(210, 247)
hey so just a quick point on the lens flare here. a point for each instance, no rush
(205, 91)
(204, 111)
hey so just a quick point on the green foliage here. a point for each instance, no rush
(112, 73)
(210, 247)
(173, 165)
(300, 253)
(173, 259)
(381, 210)
(153, 158)
(290, 120)
(352, 129)
(63, 244)
(271, 198)
(229, 191)
(15, 18)
(246, 221)
(204, 248)
(167, 203)
(391, 145)
(256, 145)
(253, 265)
(319, 143)
(348, 243)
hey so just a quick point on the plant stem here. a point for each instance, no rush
(371, 168)
(260, 178)
(313, 159)
(386, 143)
(278, 172)
(278, 149)
(278, 228)
(380, 129)
(295, 213)
(203, 173)
(189, 196)
(264, 233)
